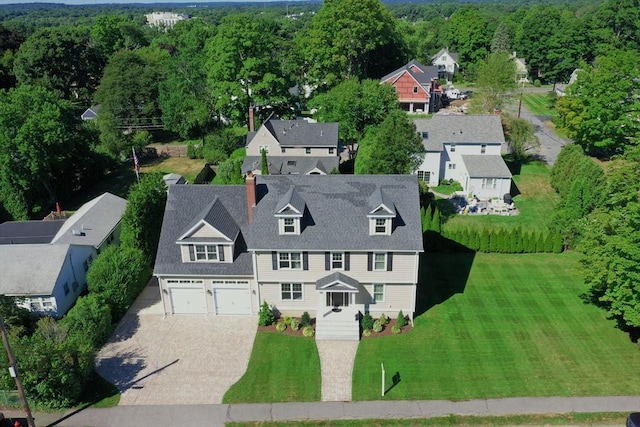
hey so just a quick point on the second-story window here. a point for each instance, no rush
(307, 150)
(380, 261)
(453, 148)
(290, 261)
(337, 261)
(483, 148)
(206, 253)
(331, 150)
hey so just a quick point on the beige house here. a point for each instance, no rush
(297, 147)
(334, 246)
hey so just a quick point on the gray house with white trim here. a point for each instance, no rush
(333, 246)
(44, 264)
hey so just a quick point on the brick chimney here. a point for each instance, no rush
(252, 126)
(251, 195)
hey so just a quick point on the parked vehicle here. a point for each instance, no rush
(453, 93)
(633, 420)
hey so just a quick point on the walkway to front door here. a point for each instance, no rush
(336, 365)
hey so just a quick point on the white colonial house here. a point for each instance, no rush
(447, 64)
(335, 246)
(44, 263)
(467, 149)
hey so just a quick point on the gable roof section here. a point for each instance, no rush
(301, 133)
(336, 213)
(285, 165)
(25, 232)
(186, 204)
(291, 204)
(337, 282)
(95, 220)
(216, 216)
(469, 129)
(428, 73)
(31, 269)
(444, 51)
(381, 204)
(485, 166)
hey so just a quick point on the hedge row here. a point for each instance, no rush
(507, 241)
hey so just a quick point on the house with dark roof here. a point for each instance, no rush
(335, 246)
(91, 113)
(293, 147)
(417, 85)
(44, 263)
(466, 149)
(447, 63)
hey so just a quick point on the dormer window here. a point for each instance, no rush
(289, 225)
(206, 252)
(381, 226)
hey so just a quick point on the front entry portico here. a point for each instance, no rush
(337, 316)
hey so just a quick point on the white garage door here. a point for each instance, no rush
(232, 301)
(188, 300)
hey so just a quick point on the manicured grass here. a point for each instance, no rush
(281, 369)
(538, 104)
(117, 182)
(501, 326)
(535, 203)
(446, 189)
(99, 393)
(189, 168)
(604, 418)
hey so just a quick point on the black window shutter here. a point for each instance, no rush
(220, 253)
(192, 255)
(327, 261)
(274, 260)
(369, 261)
(347, 263)
(390, 261)
(305, 260)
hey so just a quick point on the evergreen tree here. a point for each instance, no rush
(557, 244)
(264, 164)
(484, 241)
(426, 219)
(435, 222)
(494, 239)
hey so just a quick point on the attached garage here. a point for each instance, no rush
(231, 297)
(187, 297)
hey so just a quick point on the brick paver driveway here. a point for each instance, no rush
(176, 360)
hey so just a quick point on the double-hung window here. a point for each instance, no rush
(291, 291)
(290, 261)
(337, 260)
(206, 253)
(378, 292)
(381, 226)
(380, 261)
(489, 183)
(289, 225)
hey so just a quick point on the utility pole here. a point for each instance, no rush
(520, 105)
(13, 370)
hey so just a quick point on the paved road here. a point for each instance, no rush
(217, 415)
(550, 142)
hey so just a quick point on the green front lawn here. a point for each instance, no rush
(535, 200)
(281, 369)
(501, 326)
(538, 104)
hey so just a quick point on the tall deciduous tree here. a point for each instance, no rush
(356, 106)
(393, 147)
(520, 137)
(350, 39)
(496, 76)
(600, 111)
(468, 34)
(61, 59)
(44, 153)
(142, 219)
(242, 59)
(114, 32)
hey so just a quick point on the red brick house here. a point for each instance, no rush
(417, 87)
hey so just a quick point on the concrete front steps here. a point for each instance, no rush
(341, 326)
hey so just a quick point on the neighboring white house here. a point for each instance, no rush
(447, 64)
(466, 149)
(43, 264)
(522, 72)
(164, 19)
(333, 246)
(296, 147)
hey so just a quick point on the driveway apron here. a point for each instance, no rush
(177, 359)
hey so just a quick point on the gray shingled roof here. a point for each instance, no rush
(429, 72)
(453, 55)
(218, 217)
(378, 198)
(340, 279)
(95, 220)
(31, 269)
(286, 165)
(186, 202)
(336, 216)
(300, 133)
(485, 166)
(23, 232)
(468, 129)
(292, 198)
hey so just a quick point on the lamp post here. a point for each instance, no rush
(13, 370)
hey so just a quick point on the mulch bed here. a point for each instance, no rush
(385, 332)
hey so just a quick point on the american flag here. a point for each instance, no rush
(136, 162)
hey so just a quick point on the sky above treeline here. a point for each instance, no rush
(80, 2)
